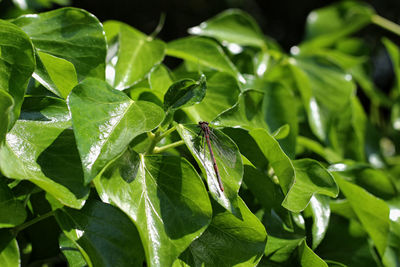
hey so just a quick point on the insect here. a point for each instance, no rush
(207, 132)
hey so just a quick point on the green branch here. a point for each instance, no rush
(21, 227)
(163, 148)
(386, 24)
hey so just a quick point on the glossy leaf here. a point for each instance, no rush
(12, 211)
(372, 212)
(103, 234)
(41, 148)
(328, 24)
(309, 258)
(6, 103)
(56, 74)
(230, 241)
(105, 121)
(165, 198)
(222, 94)
(17, 63)
(131, 54)
(232, 26)
(69, 33)
(185, 93)
(394, 53)
(9, 251)
(320, 210)
(299, 179)
(228, 160)
(71, 252)
(204, 52)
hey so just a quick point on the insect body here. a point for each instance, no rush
(206, 131)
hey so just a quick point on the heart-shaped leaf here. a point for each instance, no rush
(41, 148)
(307, 257)
(165, 198)
(69, 33)
(17, 63)
(104, 235)
(185, 93)
(229, 241)
(232, 26)
(228, 160)
(131, 54)
(105, 121)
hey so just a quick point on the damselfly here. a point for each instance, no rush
(223, 149)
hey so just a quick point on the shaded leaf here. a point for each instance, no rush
(308, 257)
(40, 148)
(230, 241)
(12, 211)
(17, 63)
(165, 198)
(279, 249)
(9, 251)
(71, 252)
(69, 33)
(105, 121)
(160, 80)
(103, 234)
(185, 93)
(131, 54)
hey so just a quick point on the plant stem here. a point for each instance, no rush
(386, 24)
(167, 132)
(21, 227)
(154, 140)
(163, 148)
(159, 27)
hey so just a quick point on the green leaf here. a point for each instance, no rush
(160, 80)
(131, 54)
(41, 148)
(321, 212)
(205, 52)
(103, 234)
(232, 26)
(12, 211)
(307, 257)
(326, 92)
(165, 198)
(185, 93)
(372, 212)
(9, 251)
(228, 160)
(394, 54)
(280, 249)
(71, 252)
(328, 24)
(6, 104)
(69, 33)
(247, 113)
(230, 241)
(222, 94)
(17, 63)
(299, 179)
(105, 120)
(56, 74)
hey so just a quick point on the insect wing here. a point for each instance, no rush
(223, 147)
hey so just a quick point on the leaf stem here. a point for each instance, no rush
(163, 148)
(159, 27)
(21, 227)
(157, 137)
(167, 132)
(386, 24)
